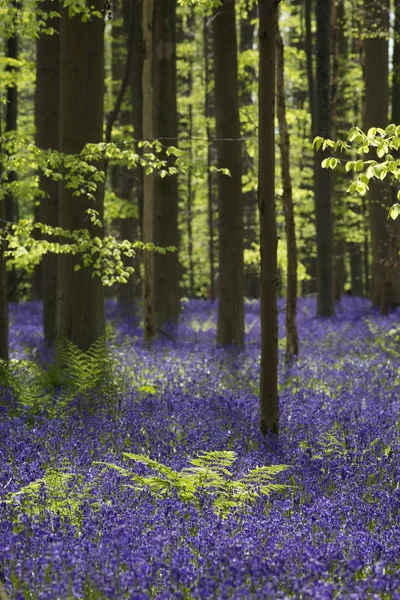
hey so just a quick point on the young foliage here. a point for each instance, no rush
(382, 142)
(209, 474)
(58, 492)
(90, 377)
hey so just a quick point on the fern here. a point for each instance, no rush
(387, 341)
(209, 473)
(26, 381)
(58, 492)
(91, 377)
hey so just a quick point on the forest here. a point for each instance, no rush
(199, 299)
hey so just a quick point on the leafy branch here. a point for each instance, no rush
(384, 142)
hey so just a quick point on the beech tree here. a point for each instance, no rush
(292, 341)
(3, 291)
(11, 113)
(385, 278)
(80, 300)
(230, 329)
(165, 128)
(47, 99)
(323, 178)
(148, 183)
(209, 111)
(268, 15)
(246, 82)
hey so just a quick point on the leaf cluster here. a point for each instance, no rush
(209, 473)
(384, 142)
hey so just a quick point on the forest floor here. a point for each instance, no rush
(80, 519)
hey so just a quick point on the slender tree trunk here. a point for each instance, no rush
(310, 261)
(137, 96)
(392, 279)
(11, 203)
(80, 299)
(148, 182)
(376, 115)
(292, 340)
(339, 54)
(3, 292)
(309, 48)
(47, 137)
(230, 328)
(209, 106)
(323, 177)
(189, 214)
(165, 122)
(247, 27)
(376, 75)
(131, 183)
(268, 15)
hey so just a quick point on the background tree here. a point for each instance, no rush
(3, 292)
(247, 78)
(292, 340)
(47, 101)
(209, 110)
(148, 183)
(11, 114)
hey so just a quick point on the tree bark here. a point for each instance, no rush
(230, 329)
(309, 49)
(165, 123)
(246, 81)
(189, 208)
(3, 292)
(376, 76)
(47, 137)
(392, 280)
(268, 15)
(292, 340)
(323, 177)
(11, 203)
(148, 182)
(80, 298)
(209, 109)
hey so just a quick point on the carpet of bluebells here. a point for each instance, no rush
(335, 533)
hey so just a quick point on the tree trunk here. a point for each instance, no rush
(131, 183)
(292, 340)
(80, 299)
(165, 122)
(392, 287)
(268, 15)
(376, 76)
(148, 182)
(323, 177)
(11, 203)
(309, 286)
(209, 106)
(247, 27)
(309, 64)
(230, 328)
(3, 292)
(189, 213)
(47, 137)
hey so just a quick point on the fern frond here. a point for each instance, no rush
(207, 472)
